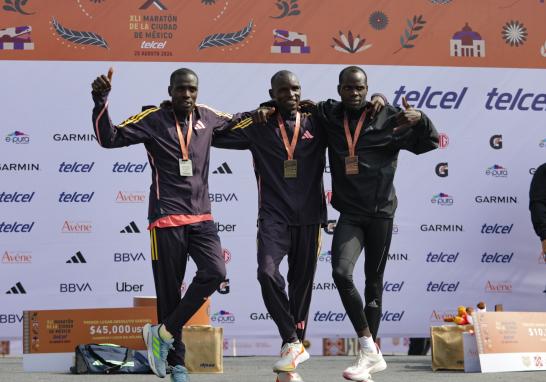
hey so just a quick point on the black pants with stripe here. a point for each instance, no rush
(301, 244)
(170, 250)
(352, 233)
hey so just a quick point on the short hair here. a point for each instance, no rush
(281, 73)
(182, 72)
(352, 69)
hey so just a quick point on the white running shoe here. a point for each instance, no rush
(366, 364)
(292, 354)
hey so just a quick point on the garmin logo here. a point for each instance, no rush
(496, 199)
(441, 227)
(58, 137)
(19, 167)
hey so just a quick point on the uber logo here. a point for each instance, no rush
(126, 287)
(225, 227)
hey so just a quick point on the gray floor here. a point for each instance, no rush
(252, 369)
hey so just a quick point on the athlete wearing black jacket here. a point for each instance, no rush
(363, 153)
(537, 204)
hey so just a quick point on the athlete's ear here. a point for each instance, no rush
(271, 93)
(339, 90)
(169, 89)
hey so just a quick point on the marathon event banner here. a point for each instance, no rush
(73, 228)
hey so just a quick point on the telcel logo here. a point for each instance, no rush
(76, 167)
(392, 316)
(431, 99)
(16, 227)
(16, 197)
(497, 229)
(442, 257)
(442, 286)
(496, 142)
(393, 287)
(329, 317)
(497, 258)
(129, 167)
(497, 171)
(75, 197)
(519, 101)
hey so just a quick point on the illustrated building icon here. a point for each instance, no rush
(467, 43)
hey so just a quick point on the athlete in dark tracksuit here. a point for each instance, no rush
(291, 211)
(179, 208)
(366, 200)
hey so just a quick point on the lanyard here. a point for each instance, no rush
(350, 142)
(183, 146)
(292, 147)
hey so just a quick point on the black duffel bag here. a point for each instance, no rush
(109, 359)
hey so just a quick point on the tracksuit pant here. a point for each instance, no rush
(170, 250)
(351, 235)
(301, 244)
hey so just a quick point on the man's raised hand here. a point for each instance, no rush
(407, 118)
(103, 84)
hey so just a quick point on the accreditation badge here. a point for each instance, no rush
(351, 165)
(290, 168)
(186, 167)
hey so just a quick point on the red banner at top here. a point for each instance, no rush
(466, 33)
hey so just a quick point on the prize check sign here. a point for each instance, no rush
(511, 341)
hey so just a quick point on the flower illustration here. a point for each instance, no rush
(349, 43)
(378, 20)
(514, 33)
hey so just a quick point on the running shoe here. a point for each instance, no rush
(290, 376)
(366, 363)
(158, 349)
(292, 354)
(179, 374)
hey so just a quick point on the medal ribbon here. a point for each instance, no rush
(351, 142)
(183, 146)
(290, 147)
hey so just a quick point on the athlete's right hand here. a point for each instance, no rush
(103, 84)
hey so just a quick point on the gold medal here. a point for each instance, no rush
(184, 164)
(290, 168)
(351, 165)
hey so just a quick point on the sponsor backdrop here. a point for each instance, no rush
(73, 215)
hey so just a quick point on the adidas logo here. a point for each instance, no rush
(307, 135)
(77, 259)
(223, 169)
(131, 228)
(17, 289)
(199, 125)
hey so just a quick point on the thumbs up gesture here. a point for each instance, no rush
(103, 83)
(407, 118)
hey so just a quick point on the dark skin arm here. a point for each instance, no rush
(406, 119)
(103, 84)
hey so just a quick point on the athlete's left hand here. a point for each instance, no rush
(261, 114)
(377, 103)
(407, 118)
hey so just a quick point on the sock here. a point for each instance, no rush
(367, 344)
(164, 333)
